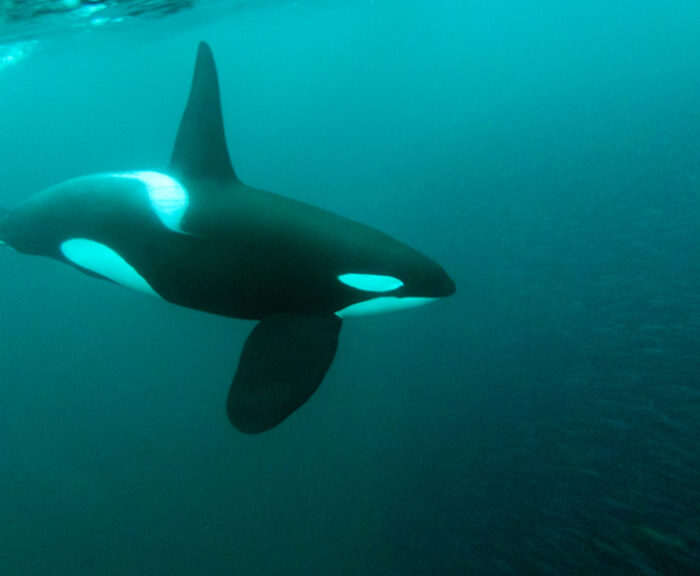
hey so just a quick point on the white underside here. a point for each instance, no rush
(102, 260)
(382, 305)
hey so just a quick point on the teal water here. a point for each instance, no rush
(543, 420)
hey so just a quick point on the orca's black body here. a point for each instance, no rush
(197, 237)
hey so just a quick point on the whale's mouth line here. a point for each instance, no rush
(382, 305)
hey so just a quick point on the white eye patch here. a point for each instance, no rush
(371, 282)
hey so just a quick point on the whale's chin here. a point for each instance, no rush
(382, 305)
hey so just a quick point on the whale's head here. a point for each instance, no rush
(419, 282)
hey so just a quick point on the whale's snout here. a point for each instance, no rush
(447, 286)
(436, 282)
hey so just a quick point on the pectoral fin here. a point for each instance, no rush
(282, 363)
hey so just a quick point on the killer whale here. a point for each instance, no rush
(194, 235)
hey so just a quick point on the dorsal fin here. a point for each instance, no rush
(200, 148)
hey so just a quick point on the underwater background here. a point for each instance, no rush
(543, 420)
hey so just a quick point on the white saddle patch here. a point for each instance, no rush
(169, 198)
(104, 261)
(371, 282)
(382, 305)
